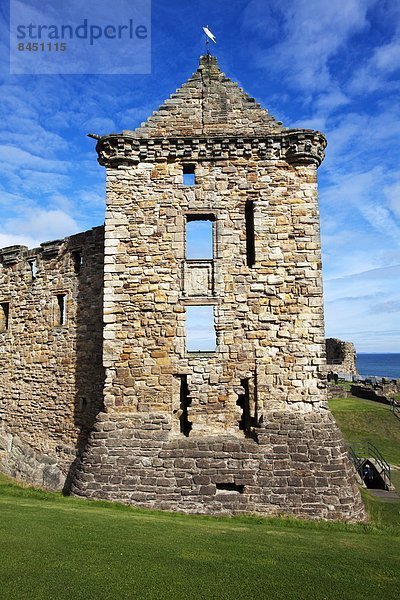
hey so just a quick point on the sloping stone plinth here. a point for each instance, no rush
(296, 465)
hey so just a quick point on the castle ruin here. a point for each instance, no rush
(341, 357)
(101, 390)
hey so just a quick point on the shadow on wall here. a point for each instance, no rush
(89, 370)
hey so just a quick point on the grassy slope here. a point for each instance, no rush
(361, 420)
(55, 547)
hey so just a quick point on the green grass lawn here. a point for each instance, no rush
(58, 548)
(54, 548)
(361, 420)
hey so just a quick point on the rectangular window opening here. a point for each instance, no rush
(244, 402)
(200, 329)
(229, 488)
(247, 400)
(33, 268)
(185, 402)
(200, 237)
(77, 260)
(4, 316)
(189, 177)
(62, 309)
(250, 243)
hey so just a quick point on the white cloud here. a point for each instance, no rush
(316, 123)
(358, 223)
(16, 157)
(311, 33)
(41, 182)
(368, 300)
(374, 275)
(328, 102)
(375, 74)
(387, 58)
(392, 193)
(100, 126)
(381, 219)
(391, 306)
(93, 198)
(13, 239)
(36, 226)
(356, 139)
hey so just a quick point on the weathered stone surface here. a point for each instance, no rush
(208, 103)
(341, 357)
(242, 428)
(268, 316)
(51, 374)
(315, 479)
(380, 392)
(20, 460)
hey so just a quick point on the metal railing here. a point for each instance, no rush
(396, 407)
(358, 462)
(361, 451)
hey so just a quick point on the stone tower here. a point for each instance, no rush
(238, 423)
(341, 357)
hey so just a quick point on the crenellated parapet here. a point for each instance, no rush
(52, 251)
(12, 254)
(296, 146)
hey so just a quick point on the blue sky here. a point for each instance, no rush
(332, 65)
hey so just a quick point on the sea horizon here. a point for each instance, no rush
(379, 364)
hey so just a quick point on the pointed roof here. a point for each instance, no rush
(209, 103)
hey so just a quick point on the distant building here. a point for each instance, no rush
(105, 391)
(341, 357)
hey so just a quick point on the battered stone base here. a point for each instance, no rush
(296, 465)
(18, 459)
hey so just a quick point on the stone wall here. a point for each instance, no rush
(341, 357)
(268, 311)
(296, 465)
(268, 317)
(208, 104)
(51, 374)
(19, 458)
(384, 392)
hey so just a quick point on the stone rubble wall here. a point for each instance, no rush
(341, 357)
(51, 375)
(268, 318)
(384, 392)
(269, 329)
(296, 465)
(208, 103)
(19, 459)
(336, 391)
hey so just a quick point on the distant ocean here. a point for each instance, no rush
(379, 365)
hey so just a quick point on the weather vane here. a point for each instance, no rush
(209, 36)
